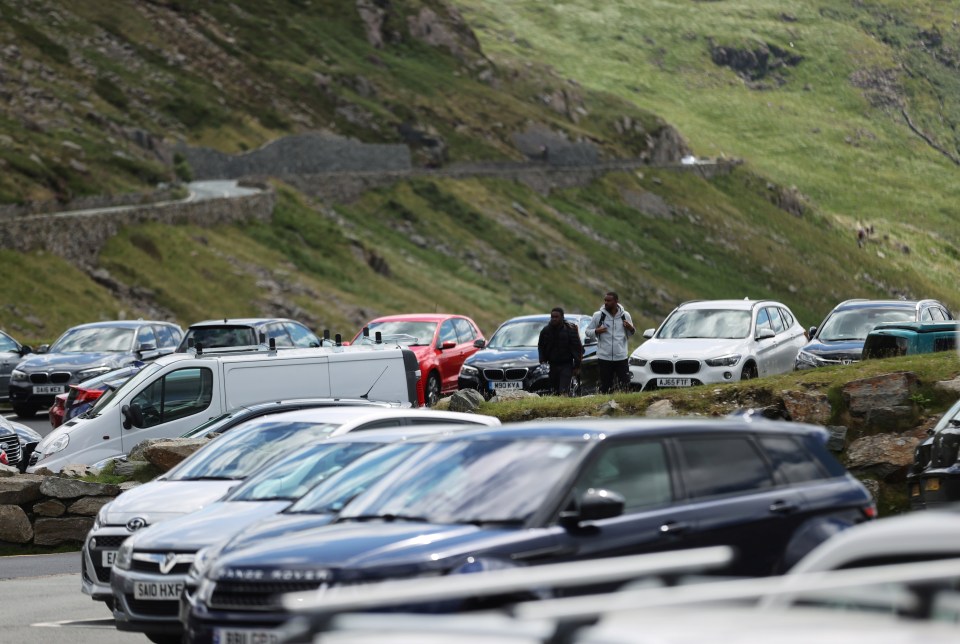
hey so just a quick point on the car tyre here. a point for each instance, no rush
(749, 371)
(576, 387)
(24, 411)
(431, 395)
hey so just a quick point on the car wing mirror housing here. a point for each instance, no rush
(43, 348)
(763, 334)
(25, 349)
(595, 504)
(649, 333)
(480, 343)
(447, 344)
(132, 416)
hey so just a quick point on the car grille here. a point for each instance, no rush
(97, 546)
(110, 541)
(153, 608)
(245, 595)
(661, 366)
(153, 567)
(56, 377)
(12, 449)
(922, 457)
(34, 458)
(945, 448)
(686, 367)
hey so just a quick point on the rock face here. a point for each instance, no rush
(515, 394)
(466, 400)
(167, 453)
(882, 403)
(14, 525)
(18, 490)
(886, 455)
(807, 407)
(49, 508)
(660, 409)
(372, 17)
(89, 505)
(53, 532)
(70, 489)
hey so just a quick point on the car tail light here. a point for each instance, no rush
(3, 458)
(87, 395)
(869, 511)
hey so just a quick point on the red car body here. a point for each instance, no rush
(440, 341)
(75, 397)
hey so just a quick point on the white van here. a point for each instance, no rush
(181, 391)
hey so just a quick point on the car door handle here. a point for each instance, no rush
(674, 527)
(783, 507)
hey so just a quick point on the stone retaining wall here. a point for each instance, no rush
(50, 510)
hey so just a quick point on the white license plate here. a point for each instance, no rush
(157, 591)
(244, 636)
(510, 384)
(674, 382)
(49, 389)
(107, 557)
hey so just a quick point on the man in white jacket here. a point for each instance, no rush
(611, 327)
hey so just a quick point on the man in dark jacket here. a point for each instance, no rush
(560, 347)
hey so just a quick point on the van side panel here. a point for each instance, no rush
(260, 381)
(379, 374)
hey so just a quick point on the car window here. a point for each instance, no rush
(926, 315)
(146, 336)
(716, 466)
(775, 321)
(301, 335)
(465, 330)
(637, 471)
(93, 339)
(277, 331)
(448, 333)
(178, 394)
(856, 324)
(937, 314)
(516, 334)
(788, 318)
(946, 314)
(790, 461)
(7, 343)
(763, 320)
(705, 323)
(166, 338)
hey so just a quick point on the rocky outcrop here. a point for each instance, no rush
(21, 489)
(807, 406)
(55, 532)
(882, 403)
(14, 525)
(166, 453)
(372, 17)
(62, 488)
(886, 456)
(660, 409)
(466, 400)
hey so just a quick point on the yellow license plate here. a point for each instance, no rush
(915, 489)
(931, 485)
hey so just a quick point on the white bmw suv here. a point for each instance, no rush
(713, 341)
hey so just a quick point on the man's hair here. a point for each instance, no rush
(558, 310)
(613, 295)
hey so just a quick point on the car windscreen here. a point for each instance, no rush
(210, 337)
(95, 340)
(412, 333)
(239, 453)
(335, 492)
(856, 324)
(707, 324)
(295, 474)
(107, 399)
(212, 426)
(478, 481)
(517, 334)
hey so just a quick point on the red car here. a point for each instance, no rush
(441, 342)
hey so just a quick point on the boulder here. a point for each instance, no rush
(14, 525)
(948, 386)
(137, 453)
(19, 490)
(166, 453)
(466, 400)
(53, 532)
(129, 485)
(838, 438)
(609, 408)
(78, 471)
(660, 409)
(62, 488)
(886, 455)
(49, 508)
(88, 506)
(873, 487)
(807, 406)
(127, 468)
(514, 394)
(886, 390)
(896, 417)
(8, 470)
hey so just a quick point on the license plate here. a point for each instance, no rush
(244, 636)
(674, 382)
(49, 389)
(510, 384)
(156, 591)
(915, 489)
(931, 485)
(107, 557)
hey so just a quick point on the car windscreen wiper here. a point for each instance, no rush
(385, 517)
(492, 522)
(208, 478)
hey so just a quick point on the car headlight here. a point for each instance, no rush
(101, 518)
(58, 444)
(92, 372)
(723, 361)
(541, 370)
(201, 562)
(638, 362)
(808, 358)
(18, 376)
(124, 556)
(468, 371)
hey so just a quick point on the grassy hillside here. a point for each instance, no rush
(101, 91)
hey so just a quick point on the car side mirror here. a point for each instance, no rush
(25, 349)
(132, 416)
(649, 333)
(447, 344)
(763, 334)
(594, 505)
(147, 348)
(480, 343)
(812, 331)
(43, 348)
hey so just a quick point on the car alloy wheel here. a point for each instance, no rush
(749, 372)
(432, 394)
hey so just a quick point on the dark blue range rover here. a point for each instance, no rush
(550, 492)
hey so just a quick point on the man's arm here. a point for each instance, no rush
(591, 330)
(542, 346)
(628, 324)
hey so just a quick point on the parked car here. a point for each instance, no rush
(11, 352)
(711, 341)
(146, 592)
(247, 332)
(934, 477)
(909, 338)
(839, 338)
(511, 361)
(442, 342)
(17, 442)
(535, 493)
(83, 352)
(82, 397)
